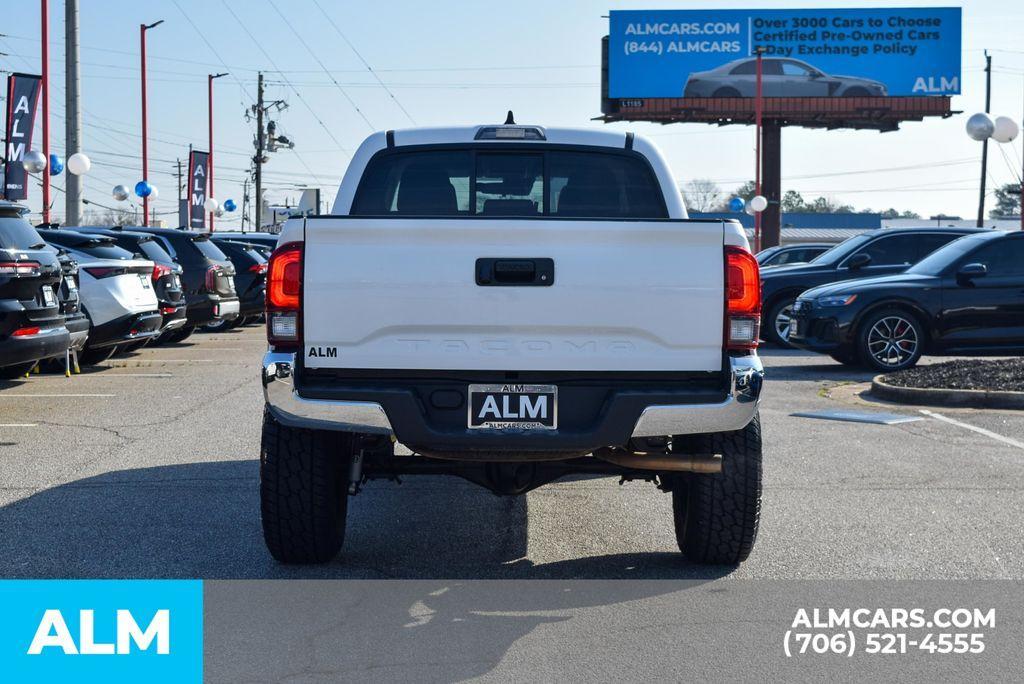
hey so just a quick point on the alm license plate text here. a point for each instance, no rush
(513, 406)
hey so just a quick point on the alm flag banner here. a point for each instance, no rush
(22, 97)
(198, 172)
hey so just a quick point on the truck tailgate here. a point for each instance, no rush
(402, 294)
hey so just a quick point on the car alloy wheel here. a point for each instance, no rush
(892, 341)
(783, 320)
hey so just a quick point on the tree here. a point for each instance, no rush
(702, 194)
(793, 201)
(1007, 201)
(110, 217)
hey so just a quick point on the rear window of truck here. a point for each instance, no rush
(478, 182)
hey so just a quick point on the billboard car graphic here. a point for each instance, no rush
(779, 78)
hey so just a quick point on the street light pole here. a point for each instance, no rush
(145, 152)
(46, 107)
(209, 163)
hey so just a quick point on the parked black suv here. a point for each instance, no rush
(31, 324)
(70, 301)
(166, 273)
(250, 279)
(252, 237)
(875, 253)
(964, 298)
(207, 276)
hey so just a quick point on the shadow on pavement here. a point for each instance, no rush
(426, 631)
(202, 520)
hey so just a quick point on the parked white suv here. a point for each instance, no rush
(116, 292)
(514, 304)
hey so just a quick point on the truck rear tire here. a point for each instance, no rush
(303, 491)
(716, 516)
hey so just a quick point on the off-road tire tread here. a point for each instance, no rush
(303, 493)
(717, 516)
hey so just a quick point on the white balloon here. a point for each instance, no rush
(758, 203)
(749, 208)
(1005, 130)
(153, 193)
(211, 204)
(120, 193)
(980, 126)
(219, 212)
(79, 164)
(34, 161)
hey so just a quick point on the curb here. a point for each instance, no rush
(947, 397)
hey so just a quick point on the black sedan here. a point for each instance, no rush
(965, 298)
(877, 252)
(791, 254)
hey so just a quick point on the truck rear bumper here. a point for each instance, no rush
(623, 414)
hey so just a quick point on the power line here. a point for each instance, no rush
(365, 63)
(294, 90)
(305, 44)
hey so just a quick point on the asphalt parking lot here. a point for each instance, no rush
(147, 467)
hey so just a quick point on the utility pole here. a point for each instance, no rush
(245, 203)
(73, 117)
(984, 143)
(180, 186)
(258, 159)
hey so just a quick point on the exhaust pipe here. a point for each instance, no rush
(677, 463)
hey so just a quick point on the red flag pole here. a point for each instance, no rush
(145, 155)
(757, 152)
(46, 107)
(209, 160)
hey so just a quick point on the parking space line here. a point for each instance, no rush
(14, 425)
(55, 396)
(980, 430)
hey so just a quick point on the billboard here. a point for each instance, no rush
(807, 53)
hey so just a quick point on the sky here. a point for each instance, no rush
(454, 63)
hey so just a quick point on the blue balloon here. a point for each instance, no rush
(143, 189)
(56, 165)
(229, 205)
(736, 204)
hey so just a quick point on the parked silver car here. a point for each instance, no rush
(780, 77)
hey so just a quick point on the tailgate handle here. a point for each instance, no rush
(515, 272)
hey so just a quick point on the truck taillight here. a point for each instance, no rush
(742, 299)
(284, 295)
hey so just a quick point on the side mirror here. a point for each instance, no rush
(969, 272)
(858, 261)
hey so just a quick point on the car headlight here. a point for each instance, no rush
(836, 300)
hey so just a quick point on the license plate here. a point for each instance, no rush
(70, 284)
(146, 284)
(513, 406)
(49, 298)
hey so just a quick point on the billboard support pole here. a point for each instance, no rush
(984, 144)
(758, 109)
(771, 217)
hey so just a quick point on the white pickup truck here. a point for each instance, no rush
(514, 304)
